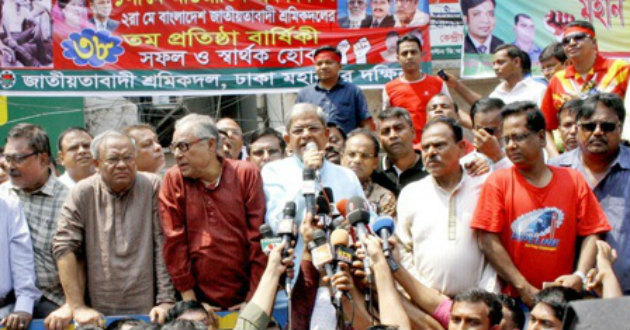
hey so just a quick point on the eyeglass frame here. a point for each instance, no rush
(612, 126)
(19, 159)
(174, 146)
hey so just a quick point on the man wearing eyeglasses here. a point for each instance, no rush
(530, 217)
(380, 15)
(588, 73)
(605, 163)
(356, 14)
(408, 14)
(109, 242)
(28, 156)
(265, 145)
(283, 182)
(232, 135)
(211, 209)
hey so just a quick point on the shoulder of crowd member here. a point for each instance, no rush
(565, 159)
(276, 166)
(151, 178)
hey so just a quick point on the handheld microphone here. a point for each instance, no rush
(339, 239)
(358, 215)
(322, 255)
(268, 241)
(323, 211)
(308, 189)
(341, 207)
(287, 229)
(384, 227)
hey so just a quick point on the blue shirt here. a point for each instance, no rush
(345, 103)
(613, 193)
(17, 268)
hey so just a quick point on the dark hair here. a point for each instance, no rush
(408, 37)
(326, 48)
(535, 118)
(517, 313)
(383, 327)
(450, 122)
(333, 125)
(119, 323)
(395, 112)
(485, 105)
(37, 138)
(368, 134)
(467, 4)
(514, 52)
(68, 131)
(553, 50)
(184, 325)
(611, 100)
(479, 295)
(88, 326)
(573, 106)
(392, 34)
(519, 16)
(265, 131)
(147, 326)
(558, 298)
(583, 24)
(182, 307)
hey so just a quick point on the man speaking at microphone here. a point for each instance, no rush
(283, 180)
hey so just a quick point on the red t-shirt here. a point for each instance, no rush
(606, 76)
(414, 97)
(539, 226)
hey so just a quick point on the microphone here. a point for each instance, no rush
(358, 215)
(341, 207)
(322, 255)
(287, 229)
(339, 239)
(308, 189)
(384, 228)
(268, 241)
(323, 211)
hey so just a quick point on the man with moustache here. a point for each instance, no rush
(265, 145)
(41, 195)
(480, 21)
(567, 126)
(150, 154)
(334, 147)
(232, 139)
(605, 163)
(438, 246)
(380, 15)
(408, 14)
(113, 258)
(356, 14)
(73, 151)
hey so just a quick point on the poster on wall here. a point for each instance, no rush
(447, 30)
(532, 25)
(130, 47)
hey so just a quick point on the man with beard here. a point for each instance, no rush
(356, 14)
(605, 163)
(380, 15)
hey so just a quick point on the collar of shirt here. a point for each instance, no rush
(120, 194)
(486, 43)
(388, 166)
(461, 182)
(599, 65)
(47, 189)
(340, 83)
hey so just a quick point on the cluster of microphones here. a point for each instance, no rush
(344, 225)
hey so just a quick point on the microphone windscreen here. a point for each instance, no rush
(289, 209)
(328, 193)
(323, 207)
(339, 236)
(383, 222)
(341, 207)
(311, 146)
(266, 231)
(319, 237)
(358, 211)
(308, 174)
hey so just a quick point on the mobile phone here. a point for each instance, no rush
(442, 75)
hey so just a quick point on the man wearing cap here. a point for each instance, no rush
(589, 72)
(344, 102)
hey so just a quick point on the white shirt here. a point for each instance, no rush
(420, 18)
(438, 246)
(486, 43)
(67, 180)
(527, 89)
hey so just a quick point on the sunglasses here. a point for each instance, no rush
(577, 37)
(605, 126)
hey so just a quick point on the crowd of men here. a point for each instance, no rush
(508, 212)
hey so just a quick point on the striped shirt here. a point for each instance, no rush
(41, 209)
(606, 76)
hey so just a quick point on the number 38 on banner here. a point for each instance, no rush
(93, 48)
